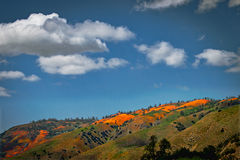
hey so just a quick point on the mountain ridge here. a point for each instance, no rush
(113, 128)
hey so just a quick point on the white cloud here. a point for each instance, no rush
(76, 64)
(157, 85)
(184, 88)
(4, 92)
(234, 69)
(3, 61)
(115, 62)
(47, 35)
(219, 58)
(31, 78)
(18, 75)
(163, 52)
(159, 4)
(234, 3)
(202, 37)
(11, 75)
(205, 5)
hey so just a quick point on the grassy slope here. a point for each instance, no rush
(203, 133)
(24, 137)
(65, 145)
(68, 140)
(131, 146)
(61, 142)
(208, 130)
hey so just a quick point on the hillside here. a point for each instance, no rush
(207, 128)
(124, 135)
(21, 138)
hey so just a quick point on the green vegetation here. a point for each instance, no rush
(208, 153)
(187, 131)
(154, 112)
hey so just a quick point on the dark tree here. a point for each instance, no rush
(165, 147)
(209, 152)
(180, 126)
(182, 113)
(150, 153)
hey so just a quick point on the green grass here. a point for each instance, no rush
(127, 147)
(153, 112)
(116, 148)
(205, 131)
(135, 114)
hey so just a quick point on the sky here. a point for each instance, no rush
(67, 59)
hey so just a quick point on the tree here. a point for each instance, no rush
(150, 153)
(182, 113)
(180, 126)
(209, 152)
(165, 147)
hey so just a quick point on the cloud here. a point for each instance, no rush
(206, 5)
(18, 75)
(163, 52)
(31, 78)
(158, 4)
(76, 64)
(234, 3)
(4, 92)
(219, 58)
(184, 88)
(202, 37)
(3, 61)
(137, 66)
(234, 69)
(157, 85)
(47, 35)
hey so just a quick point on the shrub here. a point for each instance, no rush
(180, 126)
(200, 116)
(150, 152)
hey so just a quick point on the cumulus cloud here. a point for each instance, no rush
(234, 3)
(31, 78)
(234, 69)
(4, 92)
(76, 64)
(219, 58)
(206, 5)
(184, 88)
(47, 35)
(18, 75)
(163, 52)
(159, 4)
(3, 61)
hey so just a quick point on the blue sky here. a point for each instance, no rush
(92, 58)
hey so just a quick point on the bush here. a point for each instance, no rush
(209, 152)
(200, 116)
(164, 151)
(180, 126)
(150, 152)
(229, 151)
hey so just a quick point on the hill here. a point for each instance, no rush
(21, 138)
(191, 124)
